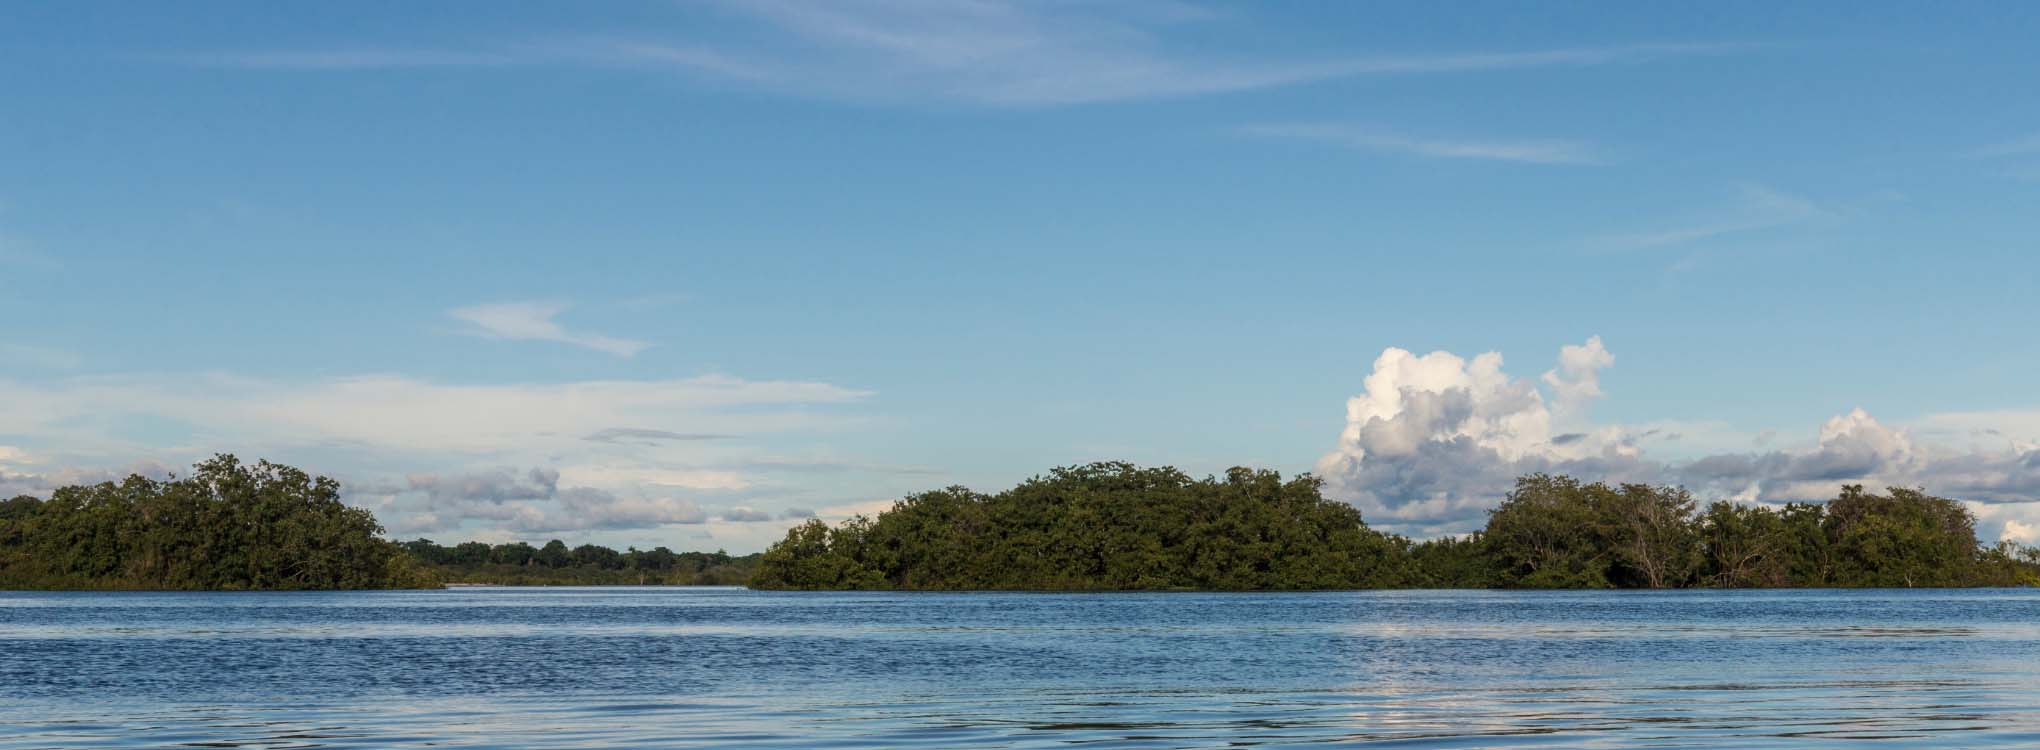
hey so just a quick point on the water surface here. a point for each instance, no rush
(729, 668)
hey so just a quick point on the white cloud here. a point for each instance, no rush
(868, 508)
(405, 414)
(1435, 440)
(1524, 151)
(448, 437)
(533, 321)
(1577, 380)
(2020, 531)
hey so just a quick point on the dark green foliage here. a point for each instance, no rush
(1106, 526)
(227, 526)
(1452, 563)
(1114, 526)
(266, 526)
(1554, 532)
(1745, 546)
(520, 564)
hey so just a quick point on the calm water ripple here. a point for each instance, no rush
(729, 668)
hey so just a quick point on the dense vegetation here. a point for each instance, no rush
(1108, 526)
(555, 564)
(231, 526)
(227, 526)
(1114, 526)
(1104, 526)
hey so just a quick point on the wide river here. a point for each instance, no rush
(727, 668)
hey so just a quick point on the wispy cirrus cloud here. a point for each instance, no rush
(1757, 207)
(407, 415)
(533, 321)
(2018, 158)
(642, 436)
(2027, 146)
(1371, 139)
(1003, 53)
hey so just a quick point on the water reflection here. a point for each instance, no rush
(734, 669)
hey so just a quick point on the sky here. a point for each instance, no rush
(688, 273)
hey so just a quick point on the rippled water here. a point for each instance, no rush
(725, 668)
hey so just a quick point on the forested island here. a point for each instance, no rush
(1116, 526)
(556, 564)
(232, 526)
(1100, 527)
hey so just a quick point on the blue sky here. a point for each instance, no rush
(782, 258)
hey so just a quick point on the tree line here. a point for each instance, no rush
(265, 526)
(1104, 526)
(556, 564)
(227, 526)
(1116, 526)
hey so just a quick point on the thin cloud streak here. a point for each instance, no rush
(994, 53)
(2026, 146)
(1759, 208)
(1527, 152)
(642, 436)
(533, 321)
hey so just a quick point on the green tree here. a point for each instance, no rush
(1745, 546)
(227, 526)
(1547, 534)
(1651, 533)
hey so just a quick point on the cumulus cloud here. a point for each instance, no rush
(2021, 532)
(1435, 440)
(533, 321)
(1577, 380)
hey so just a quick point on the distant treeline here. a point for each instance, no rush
(1115, 526)
(231, 526)
(555, 564)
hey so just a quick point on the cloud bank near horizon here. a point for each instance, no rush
(1431, 443)
(1436, 440)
